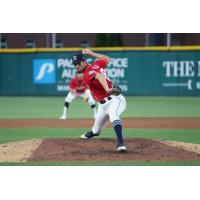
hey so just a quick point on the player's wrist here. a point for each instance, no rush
(108, 90)
(88, 52)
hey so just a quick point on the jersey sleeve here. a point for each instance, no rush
(91, 74)
(101, 63)
(95, 68)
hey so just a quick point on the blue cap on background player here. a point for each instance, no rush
(76, 59)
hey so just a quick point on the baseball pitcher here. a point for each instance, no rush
(78, 89)
(111, 102)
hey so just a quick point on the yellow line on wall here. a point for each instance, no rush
(153, 48)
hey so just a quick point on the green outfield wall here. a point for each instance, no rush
(147, 71)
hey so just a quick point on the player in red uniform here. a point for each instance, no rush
(78, 88)
(110, 104)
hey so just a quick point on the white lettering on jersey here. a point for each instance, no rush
(104, 73)
(91, 72)
(95, 67)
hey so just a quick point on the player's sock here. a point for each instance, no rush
(118, 130)
(93, 106)
(66, 106)
(94, 110)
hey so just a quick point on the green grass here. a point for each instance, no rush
(155, 163)
(163, 107)
(51, 107)
(18, 134)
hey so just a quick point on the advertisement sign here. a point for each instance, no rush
(146, 73)
(182, 74)
(44, 71)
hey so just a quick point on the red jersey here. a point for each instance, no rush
(89, 77)
(76, 86)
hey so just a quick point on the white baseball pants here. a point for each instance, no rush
(71, 96)
(111, 110)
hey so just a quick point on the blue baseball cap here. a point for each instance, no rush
(76, 59)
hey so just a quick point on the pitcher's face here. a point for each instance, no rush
(80, 67)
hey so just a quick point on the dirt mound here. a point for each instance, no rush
(18, 151)
(103, 150)
(97, 150)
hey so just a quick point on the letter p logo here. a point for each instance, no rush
(44, 71)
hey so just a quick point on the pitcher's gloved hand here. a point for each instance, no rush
(116, 90)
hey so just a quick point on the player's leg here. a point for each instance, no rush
(117, 106)
(101, 120)
(68, 99)
(91, 102)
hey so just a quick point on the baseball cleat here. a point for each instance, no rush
(121, 148)
(88, 135)
(63, 117)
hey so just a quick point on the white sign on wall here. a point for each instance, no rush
(182, 70)
(116, 71)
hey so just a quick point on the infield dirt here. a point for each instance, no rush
(97, 150)
(161, 123)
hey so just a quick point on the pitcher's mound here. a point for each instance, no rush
(97, 150)
(104, 150)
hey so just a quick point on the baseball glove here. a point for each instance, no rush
(116, 90)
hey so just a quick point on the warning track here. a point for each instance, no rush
(160, 123)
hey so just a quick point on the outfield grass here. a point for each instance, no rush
(51, 107)
(18, 134)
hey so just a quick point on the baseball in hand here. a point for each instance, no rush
(87, 52)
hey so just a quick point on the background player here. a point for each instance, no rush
(111, 102)
(78, 89)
